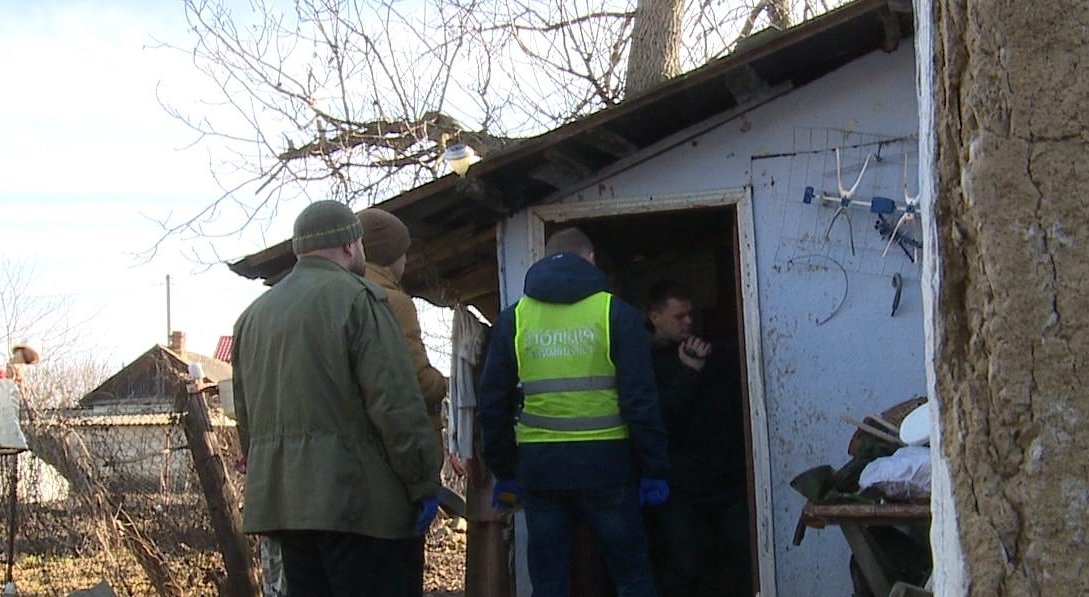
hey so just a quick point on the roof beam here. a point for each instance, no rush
(745, 83)
(554, 175)
(561, 167)
(607, 142)
(486, 195)
(890, 23)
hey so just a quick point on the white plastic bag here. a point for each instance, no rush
(12, 440)
(904, 475)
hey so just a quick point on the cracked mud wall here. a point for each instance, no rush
(1011, 84)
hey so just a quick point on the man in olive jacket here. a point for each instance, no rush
(341, 460)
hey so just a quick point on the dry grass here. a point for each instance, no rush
(200, 571)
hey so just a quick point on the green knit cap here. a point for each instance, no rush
(324, 225)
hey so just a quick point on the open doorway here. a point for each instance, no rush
(698, 247)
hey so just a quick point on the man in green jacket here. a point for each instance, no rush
(341, 460)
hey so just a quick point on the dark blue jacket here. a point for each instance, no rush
(567, 278)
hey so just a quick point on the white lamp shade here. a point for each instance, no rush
(460, 157)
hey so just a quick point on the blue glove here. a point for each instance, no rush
(506, 494)
(428, 509)
(653, 492)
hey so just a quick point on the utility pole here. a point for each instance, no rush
(168, 326)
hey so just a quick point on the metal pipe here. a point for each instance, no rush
(13, 497)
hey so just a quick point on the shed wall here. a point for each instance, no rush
(861, 360)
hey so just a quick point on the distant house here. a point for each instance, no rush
(140, 387)
(130, 423)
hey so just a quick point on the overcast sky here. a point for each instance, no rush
(89, 160)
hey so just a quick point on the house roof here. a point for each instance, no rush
(452, 219)
(140, 380)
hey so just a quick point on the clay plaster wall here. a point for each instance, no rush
(1011, 84)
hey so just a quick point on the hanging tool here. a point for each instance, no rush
(898, 284)
(911, 207)
(845, 195)
(905, 242)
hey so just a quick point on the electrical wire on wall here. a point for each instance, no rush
(846, 282)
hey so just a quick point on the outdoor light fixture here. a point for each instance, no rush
(460, 157)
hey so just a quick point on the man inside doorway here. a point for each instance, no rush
(704, 523)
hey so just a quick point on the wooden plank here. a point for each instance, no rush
(219, 495)
(820, 515)
(758, 408)
(867, 560)
(903, 589)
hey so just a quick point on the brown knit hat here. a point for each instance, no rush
(385, 236)
(324, 225)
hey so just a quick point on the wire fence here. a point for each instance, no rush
(112, 498)
(117, 499)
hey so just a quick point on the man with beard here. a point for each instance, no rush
(341, 460)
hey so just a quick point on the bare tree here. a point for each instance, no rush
(26, 313)
(357, 99)
(66, 372)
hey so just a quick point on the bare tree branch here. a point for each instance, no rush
(356, 100)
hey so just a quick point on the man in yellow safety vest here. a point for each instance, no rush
(570, 419)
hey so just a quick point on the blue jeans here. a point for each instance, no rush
(614, 518)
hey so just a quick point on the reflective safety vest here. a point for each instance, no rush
(567, 373)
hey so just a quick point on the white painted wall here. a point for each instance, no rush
(950, 569)
(862, 360)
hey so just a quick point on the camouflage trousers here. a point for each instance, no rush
(273, 583)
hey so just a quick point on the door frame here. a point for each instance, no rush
(741, 197)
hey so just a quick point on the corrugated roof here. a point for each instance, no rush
(453, 255)
(223, 349)
(82, 418)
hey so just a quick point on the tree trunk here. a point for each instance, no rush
(655, 45)
(1010, 278)
(779, 14)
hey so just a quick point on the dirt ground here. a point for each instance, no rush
(444, 564)
(200, 571)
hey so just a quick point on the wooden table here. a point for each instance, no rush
(854, 520)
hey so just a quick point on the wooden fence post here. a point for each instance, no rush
(219, 494)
